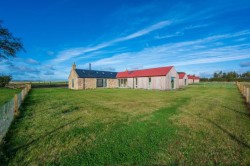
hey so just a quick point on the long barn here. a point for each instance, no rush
(162, 78)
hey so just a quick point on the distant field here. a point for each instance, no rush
(247, 84)
(6, 94)
(48, 84)
(204, 124)
(43, 84)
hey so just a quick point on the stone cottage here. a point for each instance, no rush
(91, 79)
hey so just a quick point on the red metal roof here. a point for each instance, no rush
(181, 75)
(161, 71)
(193, 77)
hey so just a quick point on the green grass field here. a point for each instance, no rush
(202, 124)
(6, 94)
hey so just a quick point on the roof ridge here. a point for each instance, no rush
(149, 68)
(97, 70)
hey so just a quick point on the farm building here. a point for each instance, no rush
(163, 78)
(183, 79)
(91, 79)
(193, 79)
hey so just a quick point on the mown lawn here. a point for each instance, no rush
(202, 124)
(6, 94)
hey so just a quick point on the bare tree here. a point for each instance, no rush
(9, 45)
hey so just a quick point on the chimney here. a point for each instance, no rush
(89, 66)
(74, 66)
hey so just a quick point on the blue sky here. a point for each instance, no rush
(198, 37)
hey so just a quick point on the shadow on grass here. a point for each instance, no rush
(236, 111)
(7, 150)
(42, 136)
(232, 136)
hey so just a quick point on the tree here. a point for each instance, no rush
(9, 45)
(4, 80)
(215, 75)
(246, 75)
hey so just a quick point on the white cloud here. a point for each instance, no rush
(70, 53)
(169, 35)
(182, 53)
(32, 61)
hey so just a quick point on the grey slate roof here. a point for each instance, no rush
(95, 74)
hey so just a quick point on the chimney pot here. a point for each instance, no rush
(74, 66)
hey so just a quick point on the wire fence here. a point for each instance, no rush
(9, 109)
(244, 90)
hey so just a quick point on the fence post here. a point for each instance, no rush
(247, 95)
(25, 91)
(22, 95)
(243, 91)
(15, 103)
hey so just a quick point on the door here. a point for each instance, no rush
(172, 82)
(125, 82)
(149, 83)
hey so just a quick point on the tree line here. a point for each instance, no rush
(229, 76)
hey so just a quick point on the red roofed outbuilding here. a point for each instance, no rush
(193, 79)
(183, 79)
(162, 78)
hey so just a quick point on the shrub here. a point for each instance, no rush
(4, 80)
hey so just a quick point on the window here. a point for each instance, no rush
(104, 82)
(122, 82)
(73, 83)
(149, 82)
(119, 82)
(99, 83)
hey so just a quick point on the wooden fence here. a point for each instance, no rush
(245, 91)
(10, 109)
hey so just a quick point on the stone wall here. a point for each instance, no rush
(80, 83)
(90, 83)
(112, 83)
(74, 76)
